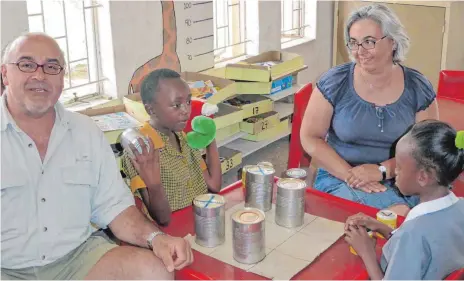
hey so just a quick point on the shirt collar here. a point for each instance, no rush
(432, 206)
(7, 119)
(62, 117)
(155, 137)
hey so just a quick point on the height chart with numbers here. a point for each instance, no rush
(187, 36)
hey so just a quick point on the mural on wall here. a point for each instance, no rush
(168, 57)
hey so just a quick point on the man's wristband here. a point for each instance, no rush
(151, 237)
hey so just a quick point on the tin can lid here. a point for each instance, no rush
(260, 170)
(296, 173)
(209, 201)
(265, 164)
(386, 214)
(291, 184)
(248, 216)
(246, 167)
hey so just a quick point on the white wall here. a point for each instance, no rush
(317, 53)
(13, 21)
(131, 35)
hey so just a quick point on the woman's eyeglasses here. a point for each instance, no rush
(367, 44)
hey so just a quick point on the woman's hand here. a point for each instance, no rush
(147, 162)
(363, 174)
(372, 187)
(360, 240)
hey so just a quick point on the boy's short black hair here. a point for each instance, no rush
(435, 148)
(150, 84)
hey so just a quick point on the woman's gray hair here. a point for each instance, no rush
(389, 23)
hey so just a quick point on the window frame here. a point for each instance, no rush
(236, 46)
(67, 97)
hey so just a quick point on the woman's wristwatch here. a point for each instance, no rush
(383, 170)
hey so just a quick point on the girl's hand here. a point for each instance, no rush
(363, 220)
(360, 240)
(147, 162)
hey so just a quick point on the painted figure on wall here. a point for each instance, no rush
(168, 58)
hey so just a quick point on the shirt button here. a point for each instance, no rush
(30, 145)
(43, 257)
(45, 229)
(43, 200)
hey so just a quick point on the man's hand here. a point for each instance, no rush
(363, 174)
(360, 240)
(175, 252)
(146, 163)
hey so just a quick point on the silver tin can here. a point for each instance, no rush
(129, 136)
(248, 235)
(259, 187)
(296, 173)
(210, 224)
(290, 202)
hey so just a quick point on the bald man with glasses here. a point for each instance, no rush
(59, 177)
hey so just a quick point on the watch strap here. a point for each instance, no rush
(151, 237)
(383, 171)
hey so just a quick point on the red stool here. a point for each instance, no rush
(296, 155)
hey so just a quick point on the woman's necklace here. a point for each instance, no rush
(378, 87)
(379, 110)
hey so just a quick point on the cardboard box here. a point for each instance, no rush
(217, 72)
(112, 136)
(264, 88)
(227, 115)
(227, 90)
(229, 159)
(226, 87)
(259, 123)
(281, 127)
(248, 70)
(257, 105)
(135, 107)
(228, 131)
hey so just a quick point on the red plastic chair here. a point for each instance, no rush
(456, 275)
(451, 85)
(296, 155)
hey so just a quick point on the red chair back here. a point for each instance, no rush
(456, 275)
(451, 85)
(296, 155)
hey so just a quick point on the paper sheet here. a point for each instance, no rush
(115, 121)
(288, 250)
